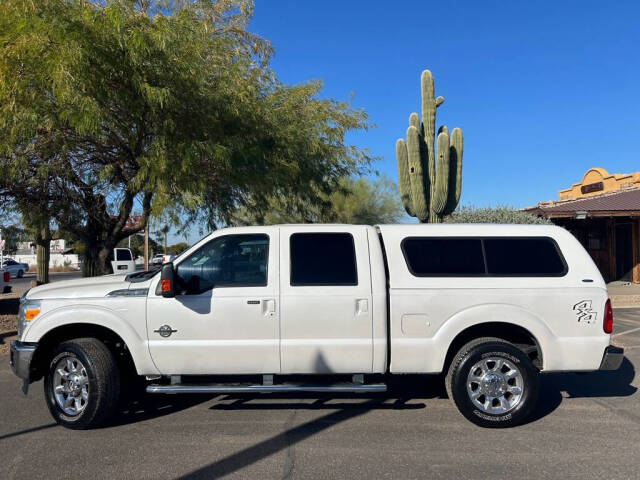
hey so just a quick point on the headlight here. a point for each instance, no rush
(29, 310)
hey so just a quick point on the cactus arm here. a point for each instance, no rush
(419, 196)
(455, 171)
(403, 176)
(429, 123)
(414, 121)
(441, 188)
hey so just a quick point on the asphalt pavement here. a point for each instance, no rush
(586, 426)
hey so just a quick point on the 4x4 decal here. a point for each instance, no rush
(584, 312)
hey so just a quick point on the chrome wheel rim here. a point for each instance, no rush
(70, 386)
(495, 385)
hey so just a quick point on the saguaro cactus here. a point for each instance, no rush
(429, 171)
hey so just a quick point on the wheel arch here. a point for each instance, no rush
(64, 324)
(507, 322)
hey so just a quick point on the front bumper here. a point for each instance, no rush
(20, 359)
(612, 358)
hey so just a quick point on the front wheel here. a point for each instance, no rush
(493, 383)
(82, 385)
(20, 273)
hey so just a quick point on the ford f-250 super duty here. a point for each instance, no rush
(489, 305)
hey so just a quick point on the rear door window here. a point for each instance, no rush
(123, 254)
(323, 258)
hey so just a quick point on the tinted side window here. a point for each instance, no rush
(323, 259)
(228, 261)
(123, 254)
(523, 257)
(443, 256)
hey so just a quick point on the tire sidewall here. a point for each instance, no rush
(529, 390)
(71, 351)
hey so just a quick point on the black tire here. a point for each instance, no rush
(20, 274)
(487, 348)
(103, 383)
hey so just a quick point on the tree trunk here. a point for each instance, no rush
(97, 261)
(91, 264)
(42, 258)
(43, 245)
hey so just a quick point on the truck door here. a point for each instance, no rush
(325, 291)
(122, 261)
(224, 319)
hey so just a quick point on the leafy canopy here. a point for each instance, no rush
(155, 105)
(357, 201)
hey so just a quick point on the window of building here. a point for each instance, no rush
(429, 256)
(227, 261)
(323, 259)
(490, 256)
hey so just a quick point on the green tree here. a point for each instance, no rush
(499, 214)
(177, 248)
(357, 201)
(107, 107)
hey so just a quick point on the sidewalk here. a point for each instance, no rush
(624, 294)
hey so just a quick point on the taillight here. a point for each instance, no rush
(7, 277)
(607, 323)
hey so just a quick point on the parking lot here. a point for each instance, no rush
(586, 426)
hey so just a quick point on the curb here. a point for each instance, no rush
(625, 301)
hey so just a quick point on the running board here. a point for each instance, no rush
(218, 388)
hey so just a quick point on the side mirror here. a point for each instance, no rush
(166, 286)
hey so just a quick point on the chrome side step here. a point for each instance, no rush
(220, 388)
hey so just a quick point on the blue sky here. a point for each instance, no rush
(542, 90)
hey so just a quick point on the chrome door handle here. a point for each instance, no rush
(269, 307)
(362, 306)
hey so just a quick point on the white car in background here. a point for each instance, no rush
(160, 258)
(15, 269)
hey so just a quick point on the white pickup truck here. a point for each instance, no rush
(489, 305)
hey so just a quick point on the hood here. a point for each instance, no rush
(81, 288)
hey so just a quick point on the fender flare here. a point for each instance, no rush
(100, 316)
(493, 313)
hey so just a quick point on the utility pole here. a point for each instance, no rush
(146, 245)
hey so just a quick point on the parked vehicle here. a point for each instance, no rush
(489, 305)
(15, 269)
(157, 259)
(5, 277)
(122, 261)
(160, 258)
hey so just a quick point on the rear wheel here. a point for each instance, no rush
(493, 383)
(82, 385)
(20, 273)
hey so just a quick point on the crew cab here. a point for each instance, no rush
(346, 306)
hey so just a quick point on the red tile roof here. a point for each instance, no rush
(619, 202)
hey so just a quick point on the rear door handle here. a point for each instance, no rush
(362, 306)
